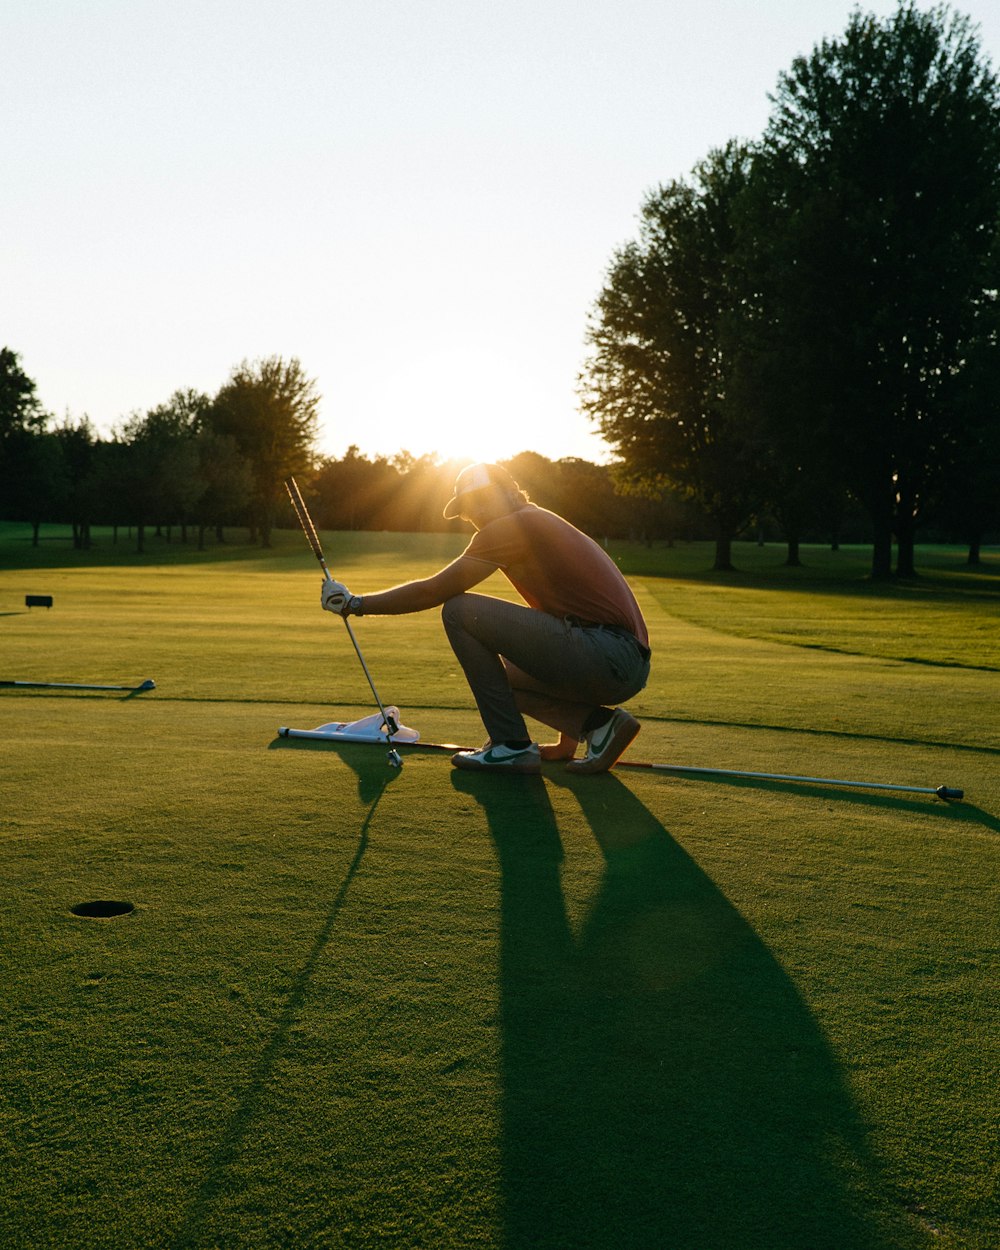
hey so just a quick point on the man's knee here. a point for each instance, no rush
(454, 612)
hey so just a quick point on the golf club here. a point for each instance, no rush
(149, 684)
(305, 520)
(335, 731)
(942, 792)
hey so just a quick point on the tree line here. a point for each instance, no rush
(198, 463)
(195, 461)
(811, 320)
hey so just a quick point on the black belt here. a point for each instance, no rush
(612, 629)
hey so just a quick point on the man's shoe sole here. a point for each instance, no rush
(623, 735)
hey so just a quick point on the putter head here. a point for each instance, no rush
(395, 761)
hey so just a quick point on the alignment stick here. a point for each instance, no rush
(73, 685)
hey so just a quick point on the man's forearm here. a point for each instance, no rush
(428, 592)
(410, 597)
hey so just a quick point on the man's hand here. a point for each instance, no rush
(335, 597)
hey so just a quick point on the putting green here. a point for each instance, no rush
(359, 1006)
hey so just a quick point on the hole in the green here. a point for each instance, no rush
(102, 908)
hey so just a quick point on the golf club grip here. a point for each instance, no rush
(305, 520)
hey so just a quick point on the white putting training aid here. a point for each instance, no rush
(370, 729)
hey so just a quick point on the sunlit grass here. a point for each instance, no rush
(363, 1007)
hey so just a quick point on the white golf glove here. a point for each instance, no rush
(335, 597)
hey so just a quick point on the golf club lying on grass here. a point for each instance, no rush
(149, 684)
(305, 520)
(366, 731)
(942, 792)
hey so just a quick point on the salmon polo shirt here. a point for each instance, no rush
(558, 569)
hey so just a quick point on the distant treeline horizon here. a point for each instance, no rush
(198, 464)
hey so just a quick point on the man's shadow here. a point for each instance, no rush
(664, 1084)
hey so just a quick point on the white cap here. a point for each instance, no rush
(476, 477)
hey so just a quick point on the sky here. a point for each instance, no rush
(417, 199)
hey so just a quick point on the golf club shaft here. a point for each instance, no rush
(75, 685)
(390, 723)
(944, 792)
(305, 520)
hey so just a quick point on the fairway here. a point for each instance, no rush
(356, 1006)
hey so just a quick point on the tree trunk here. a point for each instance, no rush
(723, 554)
(882, 552)
(35, 527)
(975, 550)
(905, 566)
(793, 561)
(141, 539)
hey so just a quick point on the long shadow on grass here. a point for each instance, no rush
(373, 778)
(664, 1085)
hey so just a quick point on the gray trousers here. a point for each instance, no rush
(519, 660)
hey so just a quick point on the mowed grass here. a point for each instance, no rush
(363, 1007)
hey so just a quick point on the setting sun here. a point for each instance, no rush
(465, 404)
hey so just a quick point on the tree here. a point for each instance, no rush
(354, 492)
(226, 479)
(582, 492)
(173, 428)
(36, 484)
(969, 495)
(21, 416)
(161, 464)
(270, 408)
(79, 450)
(658, 381)
(880, 171)
(108, 486)
(19, 405)
(417, 500)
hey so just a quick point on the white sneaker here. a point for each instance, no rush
(501, 759)
(605, 745)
